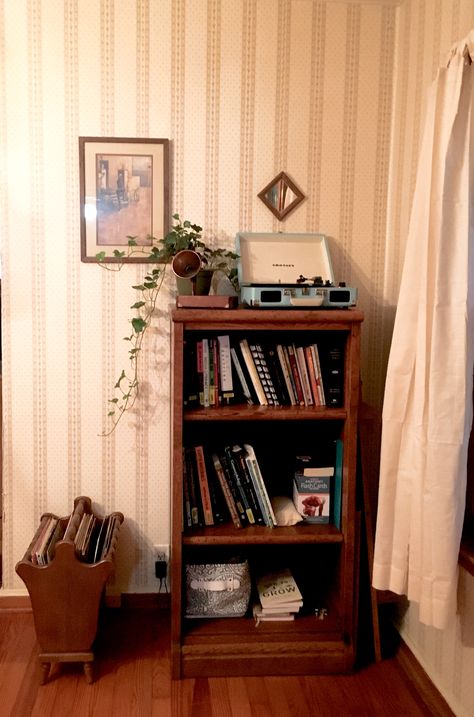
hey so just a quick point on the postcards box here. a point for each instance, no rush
(312, 493)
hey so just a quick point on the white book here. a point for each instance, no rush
(277, 587)
(205, 371)
(275, 617)
(240, 374)
(225, 365)
(319, 374)
(251, 368)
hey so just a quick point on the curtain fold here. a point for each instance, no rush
(427, 411)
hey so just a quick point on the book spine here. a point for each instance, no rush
(273, 363)
(200, 372)
(250, 490)
(227, 493)
(338, 469)
(305, 384)
(241, 376)
(282, 357)
(188, 521)
(296, 376)
(252, 370)
(236, 478)
(264, 374)
(194, 490)
(206, 372)
(226, 383)
(312, 375)
(319, 377)
(333, 374)
(260, 487)
(204, 486)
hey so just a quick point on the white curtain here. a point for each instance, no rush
(427, 412)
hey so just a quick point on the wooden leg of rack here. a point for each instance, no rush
(45, 670)
(89, 672)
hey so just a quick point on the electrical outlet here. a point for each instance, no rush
(162, 552)
(162, 560)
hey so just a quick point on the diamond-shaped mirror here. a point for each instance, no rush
(281, 196)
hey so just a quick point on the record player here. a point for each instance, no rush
(279, 270)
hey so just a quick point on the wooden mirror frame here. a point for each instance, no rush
(278, 207)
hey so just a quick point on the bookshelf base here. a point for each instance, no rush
(278, 657)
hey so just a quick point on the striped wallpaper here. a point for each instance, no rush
(329, 91)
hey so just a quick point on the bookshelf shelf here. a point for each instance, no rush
(66, 593)
(323, 556)
(257, 535)
(267, 413)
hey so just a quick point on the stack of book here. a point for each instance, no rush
(279, 597)
(225, 484)
(93, 537)
(219, 371)
(51, 530)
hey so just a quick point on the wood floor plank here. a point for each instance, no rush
(134, 678)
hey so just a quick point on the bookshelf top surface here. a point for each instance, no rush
(266, 317)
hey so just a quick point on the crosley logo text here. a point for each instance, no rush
(282, 264)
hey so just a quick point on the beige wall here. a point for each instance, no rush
(243, 89)
(426, 31)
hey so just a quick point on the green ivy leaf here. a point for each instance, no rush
(113, 400)
(138, 324)
(100, 256)
(119, 254)
(138, 305)
(139, 287)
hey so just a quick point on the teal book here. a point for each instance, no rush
(337, 496)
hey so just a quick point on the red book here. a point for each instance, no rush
(296, 375)
(204, 486)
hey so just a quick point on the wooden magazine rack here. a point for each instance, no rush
(66, 595)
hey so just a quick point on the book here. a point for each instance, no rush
(276, 373)
(226, 491)
(235, 476)
(312, 373)
(303, 371)
(278, 587)
(264, 374)
(298, 388)
(285, 368)
(187, 511)
(332, 368)
(252, 370)
(259, 484)
(260, 616)
(241, 376)
(317, 370)
(190, 375)
(203, 486)
(206, 372)
(239, 455)
(312, 491)
(57, 535)
(226, 382)
(41, 552)
(219, 506)
(194, 489)
(337, 493)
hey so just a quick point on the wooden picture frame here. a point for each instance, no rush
(124, 192)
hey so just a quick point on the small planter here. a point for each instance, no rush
(201, 284)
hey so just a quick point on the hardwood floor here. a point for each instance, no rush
(133, 678)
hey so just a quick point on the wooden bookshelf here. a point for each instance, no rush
(66, 594)
(235, 646)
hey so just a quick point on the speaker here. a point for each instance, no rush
(186, 264)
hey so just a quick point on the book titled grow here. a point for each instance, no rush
(279, 589)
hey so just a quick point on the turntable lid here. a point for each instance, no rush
(280, 258)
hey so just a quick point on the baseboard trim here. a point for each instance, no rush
(422, 685)
(160, 601)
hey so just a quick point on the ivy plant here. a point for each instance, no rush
(183, 235)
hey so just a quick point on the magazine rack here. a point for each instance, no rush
(66, 595)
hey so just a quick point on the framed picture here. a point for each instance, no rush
(124, 192)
